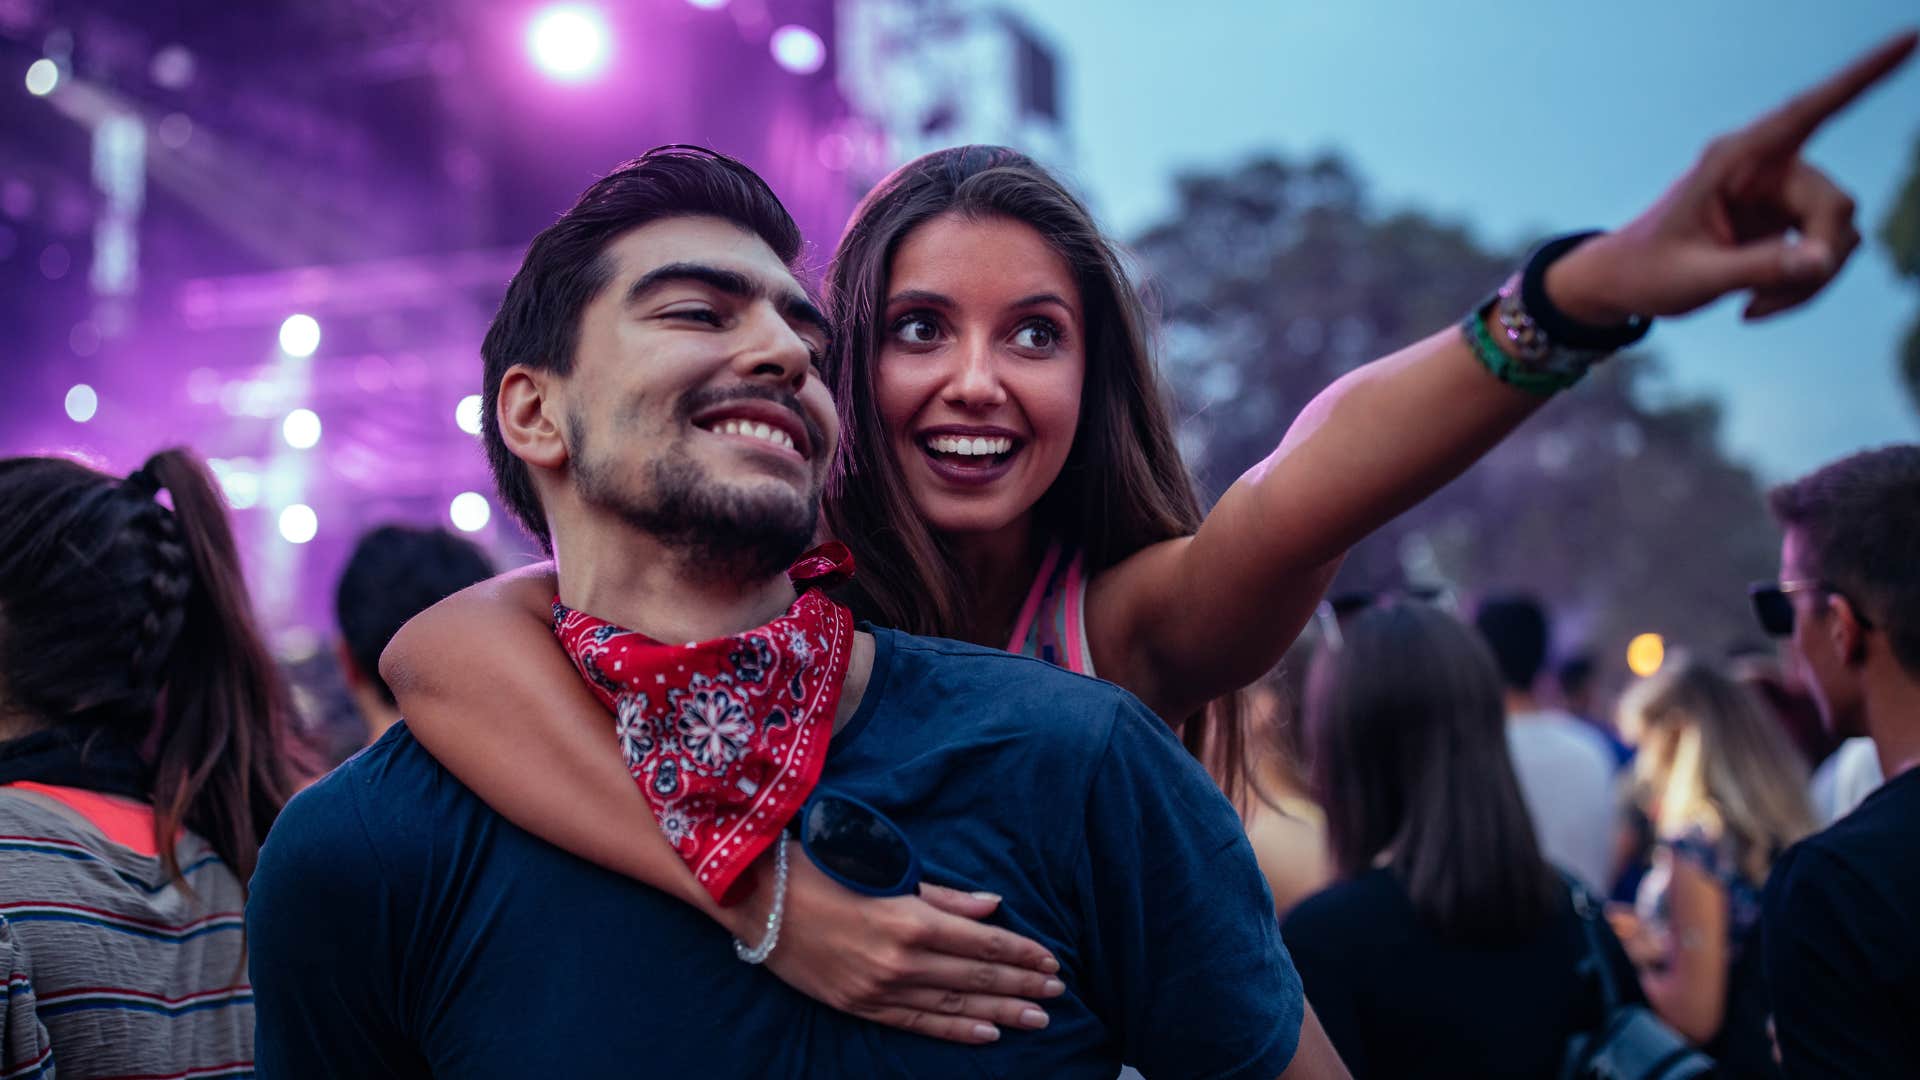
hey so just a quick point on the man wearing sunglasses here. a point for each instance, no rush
(1842, 916)
(399, 927)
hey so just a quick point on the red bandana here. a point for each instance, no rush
(726, 737)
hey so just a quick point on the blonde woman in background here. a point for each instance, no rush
(1726, 793)
(1287, 828)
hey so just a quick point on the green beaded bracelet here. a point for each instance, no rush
(1505, 368)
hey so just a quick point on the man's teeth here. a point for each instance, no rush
(972, 447)
(759, 431)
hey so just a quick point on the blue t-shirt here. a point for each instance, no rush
(398, 927)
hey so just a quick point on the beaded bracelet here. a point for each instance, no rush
(758, 954)
(1505, 368)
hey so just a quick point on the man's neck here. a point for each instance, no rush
(630, 578)
(1892, 707)
(374, 710)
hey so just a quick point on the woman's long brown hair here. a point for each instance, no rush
(1124, 485)
(123, 619)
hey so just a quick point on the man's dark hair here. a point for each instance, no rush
(395, 573)
(1515, 628)
(1574, 674)
(538, 323)
(1860, 518)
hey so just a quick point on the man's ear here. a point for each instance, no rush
(529, 413)
(350, 672)
(1844, 631)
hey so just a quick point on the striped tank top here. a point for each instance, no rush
(112, 969)
(1052, 623)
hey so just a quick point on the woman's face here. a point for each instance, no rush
(981, 363)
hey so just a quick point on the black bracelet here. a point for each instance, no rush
(1560, 328)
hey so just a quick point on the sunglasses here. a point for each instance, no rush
(1774, 609)
(858, 846)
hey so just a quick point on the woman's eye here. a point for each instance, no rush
(916, 330)
(1036, 335)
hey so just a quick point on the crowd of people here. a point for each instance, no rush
(891, 706)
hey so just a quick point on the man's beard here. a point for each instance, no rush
(719, 530)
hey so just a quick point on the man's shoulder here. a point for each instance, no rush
(353, 807)
(974, 687)
(1549, 735)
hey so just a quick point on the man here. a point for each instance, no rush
(657, 420)
(394, 573)
(1564, 765)
(1842, 909)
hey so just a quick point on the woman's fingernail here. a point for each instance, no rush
(995, 897)
(1033, 1018)
(1054, 986)
(986, 1032)
(1049, 965)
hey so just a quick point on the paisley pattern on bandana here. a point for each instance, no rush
(725, 738)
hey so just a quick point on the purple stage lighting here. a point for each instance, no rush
(570, 42)
(799, 49)
(301, 429)
(470, 511)
(467, 414)
(708, 5)
(299, 524)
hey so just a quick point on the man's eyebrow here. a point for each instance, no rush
(794, 306)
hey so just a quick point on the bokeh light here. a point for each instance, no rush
(467, 414)
(1645, 654)
(82, 403)
(569, 42)
(470, 511)
(301, 428)
(708, 5)
(299, 524)
(799, 49)
(300, 335)
(42, 76)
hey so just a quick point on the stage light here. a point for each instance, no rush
(467, 414)
(82, 403)
(301, 429)
(298, 523)
(1645, 654)
(242, 488)
(42, 76)
(708, 5)
(470, 511)
(569, 42)
(799, 49)
(299, 335)
(172, 67)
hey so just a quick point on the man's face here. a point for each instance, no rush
(1834, 682)
(693, 411)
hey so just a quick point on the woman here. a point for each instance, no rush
(1448, 945)
(1287, 829)
(145, 749)
(1008, 476)
(1726, 792)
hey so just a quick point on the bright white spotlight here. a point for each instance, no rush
(569, 42)
(798, 49)
(298, 523)
(82, 403)
(467, 414)
(470, 511)
(42, 76)
(301, 429)
(300, 335)
(242, 488)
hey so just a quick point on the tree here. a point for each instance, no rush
(1901, 233)
(1274, 278)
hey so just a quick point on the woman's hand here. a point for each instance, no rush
(923, 964)
(1641, 945)
(1751, 215)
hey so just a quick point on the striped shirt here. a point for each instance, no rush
(113, 970)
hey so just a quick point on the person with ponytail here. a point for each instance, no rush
(146, 746)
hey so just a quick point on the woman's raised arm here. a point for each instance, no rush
(1190, 619)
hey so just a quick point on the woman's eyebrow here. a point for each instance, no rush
(920, 296)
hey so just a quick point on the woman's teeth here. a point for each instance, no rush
(759, 431)
(969, 447)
